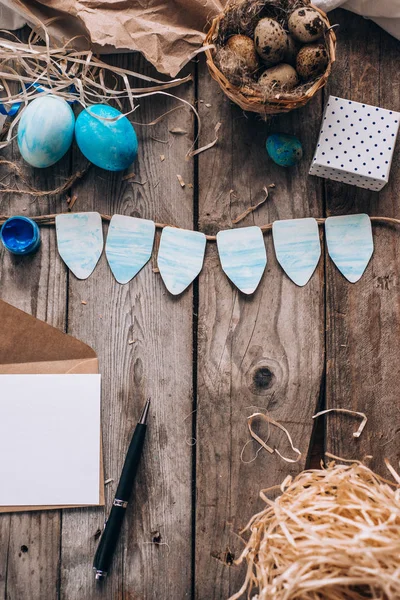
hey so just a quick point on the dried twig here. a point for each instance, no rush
(71, 201)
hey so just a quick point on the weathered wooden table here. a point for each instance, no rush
(208, 357)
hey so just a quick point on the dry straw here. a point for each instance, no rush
(242, 17)
(41, 65)
(333, 534)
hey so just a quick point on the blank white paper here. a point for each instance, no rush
(49, 440)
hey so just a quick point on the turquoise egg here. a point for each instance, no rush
(111, 145)
(45, 131)
(284, 149)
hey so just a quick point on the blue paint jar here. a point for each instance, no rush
(20, 235)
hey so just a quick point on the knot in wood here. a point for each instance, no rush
(264, 376)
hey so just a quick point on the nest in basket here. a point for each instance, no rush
(271, 56)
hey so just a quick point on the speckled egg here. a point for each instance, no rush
(270, 40)
(284, 149)
(281, 77)
(243, 48)
(111, 145)
(45, 131)
(293, 46)
(311, 61)
(306, 24)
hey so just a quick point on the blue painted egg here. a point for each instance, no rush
(111, 145)
(284, 149)
(45, 131)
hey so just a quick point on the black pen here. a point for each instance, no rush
(109, 538)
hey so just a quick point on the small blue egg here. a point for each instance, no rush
(45, 131)
(111, 145)
(284, 149)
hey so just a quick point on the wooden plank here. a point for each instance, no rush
(363, 319)
(30, 542)
(143, 338)
(4, 549)
(265, 351)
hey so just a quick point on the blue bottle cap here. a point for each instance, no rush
(20, 235)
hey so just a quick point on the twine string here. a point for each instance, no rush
(51, 219)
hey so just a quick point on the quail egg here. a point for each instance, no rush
(311, 61)
(306, 24)
(282, 77)
(270, 41)
(243, 47)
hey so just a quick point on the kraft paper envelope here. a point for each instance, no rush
(30, 346)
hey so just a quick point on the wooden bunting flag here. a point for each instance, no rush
(242, 251)
(180, 257)
(350, 244)
(80, 241)
(243, 256)
(129, 245)
(297, 248)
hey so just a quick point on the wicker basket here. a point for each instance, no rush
(251, 100)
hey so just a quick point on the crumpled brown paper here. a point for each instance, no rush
(165, 31)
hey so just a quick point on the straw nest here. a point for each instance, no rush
(333, 534)
(241, 17)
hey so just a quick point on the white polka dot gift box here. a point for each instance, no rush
(356, 143)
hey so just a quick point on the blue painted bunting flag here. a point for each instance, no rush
(243, 256)
(180, 257)
(297, 247)
(350, 244)
(80, 241)
(129, 245)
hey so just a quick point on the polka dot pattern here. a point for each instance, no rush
(356, 143)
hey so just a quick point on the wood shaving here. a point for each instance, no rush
(263, 443)
(180, 179)
(84, 302)
(162, 157)
(207, 146)
(208, 105)
(332, 534)
(108, 481)
(253, 208)
(364, 417)
(178, 131)
(129, 176)
(158, 119)
(395, 475)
